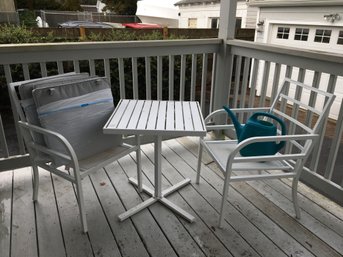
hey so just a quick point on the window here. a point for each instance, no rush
(192, 23)
(340, 38)
(214, 22)
(301, 34)
(322, 36)
(238, 22)
(282, 32)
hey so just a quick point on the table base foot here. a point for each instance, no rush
(162, 200)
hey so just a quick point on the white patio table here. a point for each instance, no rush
(157, 118)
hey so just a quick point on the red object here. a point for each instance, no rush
(142, 26)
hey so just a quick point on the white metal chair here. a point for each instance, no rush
(303, 108)
(61, 119)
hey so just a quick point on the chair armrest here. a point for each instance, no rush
(288, 138)
(71, 156)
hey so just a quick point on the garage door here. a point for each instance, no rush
(309, 37)
(329, 39)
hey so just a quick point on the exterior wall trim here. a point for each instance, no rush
(293, 3)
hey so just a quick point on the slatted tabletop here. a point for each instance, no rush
(144, 117)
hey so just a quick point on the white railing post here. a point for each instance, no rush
(224, 61)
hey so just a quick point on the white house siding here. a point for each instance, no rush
(158, 12)
(251, 17)
(311, 18)
(203, 12)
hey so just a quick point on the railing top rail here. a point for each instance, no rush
(308, 59)
(293, 51)
(28, 53)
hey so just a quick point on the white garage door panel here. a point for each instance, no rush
(332, 46)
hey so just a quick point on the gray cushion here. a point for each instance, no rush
(78, 111)
(25, 89)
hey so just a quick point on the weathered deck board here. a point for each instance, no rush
(23, 238)
(48, 228)
(257, 228)
(127, 238)
(259, 218)
(5, 212)
(171, 226)
(311, 235)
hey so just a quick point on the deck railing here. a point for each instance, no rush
(256, 73)
(185, 70)
(174, 69)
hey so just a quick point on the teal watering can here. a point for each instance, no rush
(258, 128)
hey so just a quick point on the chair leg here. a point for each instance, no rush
(295, 197)
(200, 150)
(139, 165)
(224, 198)
(81, 204)
(35, 182)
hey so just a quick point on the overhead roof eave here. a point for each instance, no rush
(294, 3)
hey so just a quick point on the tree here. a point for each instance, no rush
(127, 7)
(38, 4)
(71, 5)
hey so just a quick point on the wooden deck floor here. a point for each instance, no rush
(259, 220)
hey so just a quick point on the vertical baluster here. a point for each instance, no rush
(8, 76)
(264, 85)
(147, 78)
(283, 105)
(276, 79)
(253, 81)
(295, 107)
(26, 71)
(107, 68)
(43, 69)
(60, 68)
(289, 71)
(336, 142)
(298, 93)
(159, 77)
(76, 64)
(121, 78)
(313, 97)
(237, 80)
(244, 85)
(229, 83)
(134, 77)
(182, 77)
(171, 77)
(203, 82)
(92, 67)
(3, 142)
(317, 149)
(213, 81)
(193, 76)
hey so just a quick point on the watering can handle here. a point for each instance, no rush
(280, 121)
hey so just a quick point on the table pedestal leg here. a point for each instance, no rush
(158, 194)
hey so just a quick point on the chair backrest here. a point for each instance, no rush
(76, 107)
(306, 108)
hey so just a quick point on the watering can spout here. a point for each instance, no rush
(238, 126)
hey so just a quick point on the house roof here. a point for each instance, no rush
(196, 1)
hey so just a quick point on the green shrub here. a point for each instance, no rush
(11, 34)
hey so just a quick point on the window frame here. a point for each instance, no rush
(284, 34)
(301, 33)
(321, 37)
